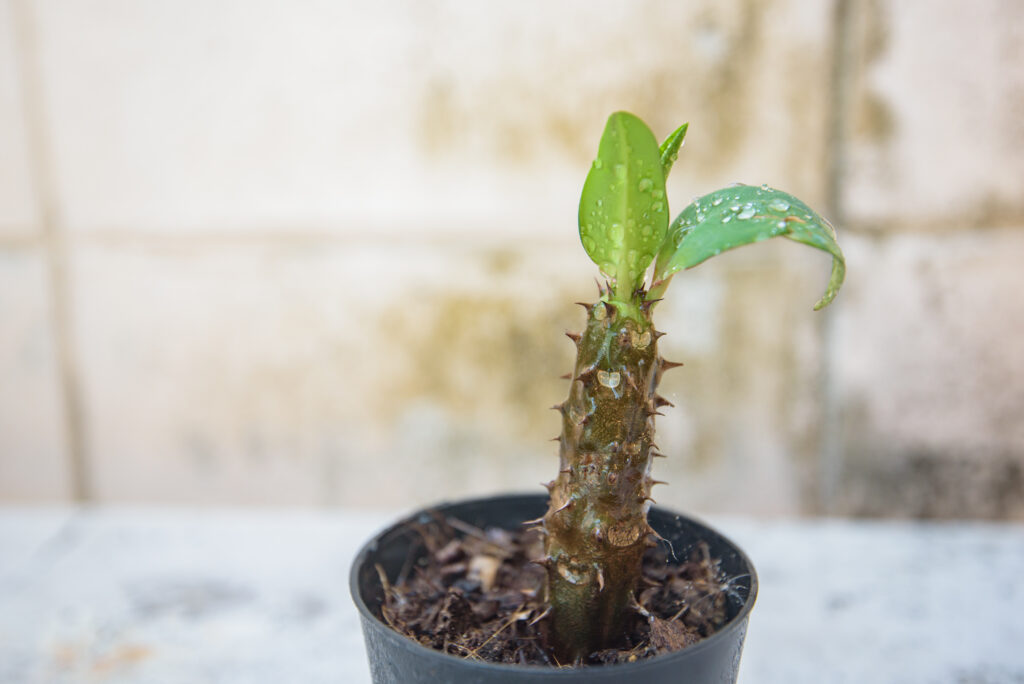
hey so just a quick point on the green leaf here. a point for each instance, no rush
(739, 215)
(623, 210)
(670, 148)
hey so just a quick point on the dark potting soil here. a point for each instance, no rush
(475, 593)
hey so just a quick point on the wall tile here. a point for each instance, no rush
(359, 374)
(312, 372)
(746, 430)
(33, 458)
(930, 376)
(17, 202)
(937, 125)
(403, 117)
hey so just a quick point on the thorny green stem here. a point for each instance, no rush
(596, 524)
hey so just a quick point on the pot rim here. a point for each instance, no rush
(739, 621)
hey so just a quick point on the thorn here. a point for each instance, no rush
(558, 407)
(610, 308)
(600, 290)
(652, 533)
(586, 371)
(541, 616)
(655, 454)
(668, 365)
(534, 521)
(564, 506)
(585, 305)
(660, 401)
(575, 337)
(565, 376)
(542, 562)
(657, 334)
(646, 306)
(657, 482)
(551, 485)
(647, 498)
(600, 579)
(567, 471)
(556, 439)
(631, 380)
(649, 582)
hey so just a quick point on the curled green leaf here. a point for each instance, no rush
(740, 215)
(623, 214)
(670, 148)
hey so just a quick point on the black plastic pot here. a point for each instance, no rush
(396, 659)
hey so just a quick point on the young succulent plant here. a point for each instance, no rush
(596, 526)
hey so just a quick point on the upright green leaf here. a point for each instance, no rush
(739, 215)
(670, 148)
(623, 211)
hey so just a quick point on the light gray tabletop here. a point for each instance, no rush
(187, 595)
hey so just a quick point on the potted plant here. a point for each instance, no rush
(596, 527)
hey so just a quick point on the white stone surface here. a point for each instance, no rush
(159, 595)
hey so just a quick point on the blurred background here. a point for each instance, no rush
(323, 254)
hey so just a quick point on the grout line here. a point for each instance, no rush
(299, 236)
(839, 110)
(21, 240)
(55, 246)
(831, 448)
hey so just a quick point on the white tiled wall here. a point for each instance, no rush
(322, 253)
(937, 124)
(18, 207)
(33, 444)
